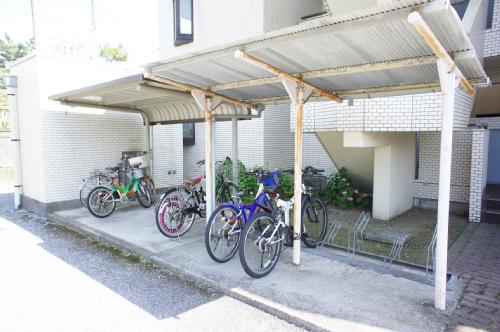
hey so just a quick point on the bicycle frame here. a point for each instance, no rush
(124, 190)
(246, 211)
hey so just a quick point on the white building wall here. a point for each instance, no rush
(215, 23)
(418, 112)
(250, 145)
(278, 140)
(284, 13)
(492, 37)
(426, 185)
(479, 167)
(30, 129)
(314, 154)
(168, 156)
(60, 145)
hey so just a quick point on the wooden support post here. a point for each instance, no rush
(418, 23)
(234, 152)
(449, 82)
(209, 157)
(297, 187)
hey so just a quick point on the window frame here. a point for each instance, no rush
(189, 140)
(182, 38)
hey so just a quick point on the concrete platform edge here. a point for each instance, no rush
(243, 296)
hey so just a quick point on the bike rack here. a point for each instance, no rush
(397, 247)
(431, 255)
(356, 233)
(331, 234)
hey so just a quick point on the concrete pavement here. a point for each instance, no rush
(321, 294)
(55, 280)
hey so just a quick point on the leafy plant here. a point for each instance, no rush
(113, 53)
(341, 191)
(286, 185)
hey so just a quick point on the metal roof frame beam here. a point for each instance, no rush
(330, 72)
(192, 88)
(285, 76)
(419, 24)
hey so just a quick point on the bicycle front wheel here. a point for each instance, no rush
(173, 216)
(91, 183)
(314, 222)
(260, 245)
(222, 234)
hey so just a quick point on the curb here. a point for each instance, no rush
(199, 281)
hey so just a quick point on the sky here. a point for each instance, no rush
(65, 26)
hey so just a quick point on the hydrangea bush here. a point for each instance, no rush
(341, 191)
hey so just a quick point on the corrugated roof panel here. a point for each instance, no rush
(369, 36)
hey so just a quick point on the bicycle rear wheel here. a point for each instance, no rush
(314, 222)
(91, 183)
(260, 245)
(222, 234)
(143, 196)
(100, 202)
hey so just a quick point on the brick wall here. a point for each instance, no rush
(419, 112)
(479, 166)
(491, 122)
(492, 37)
(426, 185)
(61, 145)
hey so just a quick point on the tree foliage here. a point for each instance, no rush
(10, 50)
(113, 53)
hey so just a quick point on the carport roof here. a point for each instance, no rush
(366, 53)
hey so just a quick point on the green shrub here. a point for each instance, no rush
(286, 185)
(341, 191)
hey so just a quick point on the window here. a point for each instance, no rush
(491, 7)
(188, 137)
(183, 21)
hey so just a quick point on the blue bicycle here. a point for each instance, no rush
(222, 233)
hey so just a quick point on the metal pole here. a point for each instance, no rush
(449, 82)
(297, 190)
(234, 141)
(36, 41)
(209, 157)
(11, 83)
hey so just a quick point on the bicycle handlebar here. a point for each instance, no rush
(307, 169)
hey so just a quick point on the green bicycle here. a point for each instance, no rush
(101, 201)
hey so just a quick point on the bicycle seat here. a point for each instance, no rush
(193, 181)
(112, 168)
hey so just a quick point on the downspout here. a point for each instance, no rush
(11, 84)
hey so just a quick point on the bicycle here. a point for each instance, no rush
(101, 201)
(97, 178)
(178, 207)
(263, 235)
(106, 177)
(226, 222)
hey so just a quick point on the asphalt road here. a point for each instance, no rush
(52, 279)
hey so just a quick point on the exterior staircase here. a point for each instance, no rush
(492, 204)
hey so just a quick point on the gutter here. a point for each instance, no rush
(11, 84)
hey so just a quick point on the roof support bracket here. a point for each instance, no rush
(284, 75)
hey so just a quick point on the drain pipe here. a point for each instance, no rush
(11, 84)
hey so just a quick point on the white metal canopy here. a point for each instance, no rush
(396, 47)
(363, 54)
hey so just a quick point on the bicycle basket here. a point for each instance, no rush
(141, 161)
(138, 173)
(271, 182)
